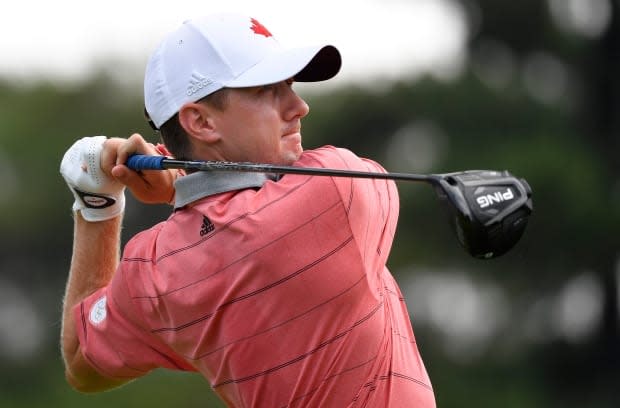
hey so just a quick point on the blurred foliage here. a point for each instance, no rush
(564, 147)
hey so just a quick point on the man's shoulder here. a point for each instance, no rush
(328, 156)
(142, 242)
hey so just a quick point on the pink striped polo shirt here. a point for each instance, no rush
(276, 292)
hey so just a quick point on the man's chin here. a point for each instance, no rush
(292, 152)
(292, 157)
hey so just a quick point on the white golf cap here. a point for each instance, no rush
(225, 50)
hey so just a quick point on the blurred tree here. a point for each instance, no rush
(584, 37)
(588, 65)
(601, 120)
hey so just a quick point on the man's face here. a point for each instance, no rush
(262, 124)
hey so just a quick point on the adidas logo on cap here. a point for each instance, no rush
(196, 83)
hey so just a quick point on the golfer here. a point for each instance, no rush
(274, 288)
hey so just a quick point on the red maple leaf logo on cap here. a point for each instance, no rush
(258, 28)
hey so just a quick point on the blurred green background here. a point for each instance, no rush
(538, 94)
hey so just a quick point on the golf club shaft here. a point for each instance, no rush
(143, 162)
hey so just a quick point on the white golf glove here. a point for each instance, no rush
(97, 196)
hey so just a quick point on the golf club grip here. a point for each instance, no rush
(139, 162)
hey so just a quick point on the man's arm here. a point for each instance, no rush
(95, 165)
(96, 250)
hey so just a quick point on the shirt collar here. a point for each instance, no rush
(195, 186)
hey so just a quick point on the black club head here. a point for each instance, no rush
(488, 210)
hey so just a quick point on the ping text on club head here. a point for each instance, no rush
(499, 196)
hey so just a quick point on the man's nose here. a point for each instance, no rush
(296, 107)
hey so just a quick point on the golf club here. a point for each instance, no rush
(488, 209)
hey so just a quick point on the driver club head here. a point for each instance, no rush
(488, 210)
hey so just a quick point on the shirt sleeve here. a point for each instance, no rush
(114, 345)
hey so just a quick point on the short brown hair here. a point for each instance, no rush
(175, 137)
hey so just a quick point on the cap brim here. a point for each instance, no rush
(309, 64)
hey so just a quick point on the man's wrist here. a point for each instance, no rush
(98, 207)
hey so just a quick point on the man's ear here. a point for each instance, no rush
(197, 121)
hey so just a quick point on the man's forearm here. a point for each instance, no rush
(95, 258)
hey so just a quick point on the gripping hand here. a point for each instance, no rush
(98, 196)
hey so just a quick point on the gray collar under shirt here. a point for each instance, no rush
(206, 183)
